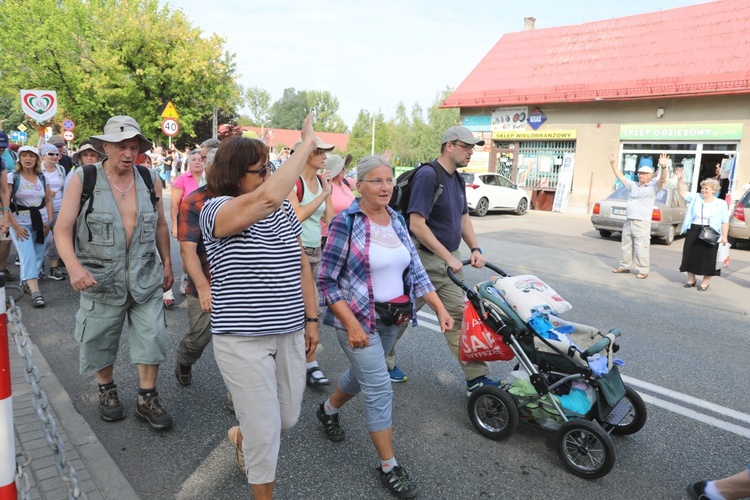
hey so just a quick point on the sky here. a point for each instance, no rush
(372, 55)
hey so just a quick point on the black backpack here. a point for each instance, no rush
(402, 190)
(89, 181)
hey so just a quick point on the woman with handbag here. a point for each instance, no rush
(370, 277)
(707, 224)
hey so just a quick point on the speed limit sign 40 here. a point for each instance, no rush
(170, 127)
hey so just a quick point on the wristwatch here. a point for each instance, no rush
(311, 320)
(476, 249)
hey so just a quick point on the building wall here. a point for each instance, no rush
(598, 134)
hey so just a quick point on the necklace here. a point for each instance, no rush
(122, 192)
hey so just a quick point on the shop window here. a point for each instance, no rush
(539, 163)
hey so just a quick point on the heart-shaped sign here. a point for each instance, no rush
(39, 104)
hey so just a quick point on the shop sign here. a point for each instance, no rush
(478, 123)
(528, 135)
(690, 132)
(509, 118)
(536, 118)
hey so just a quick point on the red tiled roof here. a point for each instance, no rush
(698, 50)
(276, 137)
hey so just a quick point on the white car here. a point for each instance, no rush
(486, 191)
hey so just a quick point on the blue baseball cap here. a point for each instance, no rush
(3, 139)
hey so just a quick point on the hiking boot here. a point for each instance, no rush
(110, 409)
(56, 274)
(234, 434)
(331, 426)
(474, 384)
(183, 373)
(397, 375)
(149, 410)
(398, 483)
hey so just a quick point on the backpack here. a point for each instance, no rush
(89, 181)
(402, 190)
(301, 187)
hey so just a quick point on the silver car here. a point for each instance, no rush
(739, 220)
(668, 213)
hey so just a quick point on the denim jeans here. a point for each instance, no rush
(368, 374)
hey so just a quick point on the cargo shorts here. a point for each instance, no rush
(99, 327)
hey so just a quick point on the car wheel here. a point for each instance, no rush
(604, 233)
(669, 238)
(523, 206)
(483, 206)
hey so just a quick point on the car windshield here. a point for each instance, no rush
(468, 178)
(620, 194)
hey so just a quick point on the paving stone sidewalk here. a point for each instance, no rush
(97, 474)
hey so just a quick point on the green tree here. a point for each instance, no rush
(259, 104)
(326, 107)
(148, 56)
(289, 111)
(11, 115)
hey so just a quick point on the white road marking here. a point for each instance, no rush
(431, 324)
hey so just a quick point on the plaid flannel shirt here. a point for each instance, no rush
(345, 267)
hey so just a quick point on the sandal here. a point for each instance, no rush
(234, 434)
(689, 285)
(641, 276)
(621, 270)
(316, 377)
(37, 300)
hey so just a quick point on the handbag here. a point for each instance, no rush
(708, 234)
(395, 311)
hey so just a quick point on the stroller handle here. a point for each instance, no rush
(467, 262)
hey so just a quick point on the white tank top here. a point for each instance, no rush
(389, 258)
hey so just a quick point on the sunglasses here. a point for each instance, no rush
(53, 154)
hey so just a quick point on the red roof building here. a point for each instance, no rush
(556, 102)
(276, 138)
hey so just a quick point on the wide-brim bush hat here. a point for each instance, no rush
(334, 164)
(87, 147)
(118, 129)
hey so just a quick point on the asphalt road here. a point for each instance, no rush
(685, 351)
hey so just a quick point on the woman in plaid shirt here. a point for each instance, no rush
(368, 259)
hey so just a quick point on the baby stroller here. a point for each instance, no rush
(553, 364)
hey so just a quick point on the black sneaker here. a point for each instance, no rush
(696, 491)
(398, 483)
(56, 274)
(183, 373)
(331, 426)
(149, 410)
(110, 408)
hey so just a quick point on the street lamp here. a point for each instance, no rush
(372, 149)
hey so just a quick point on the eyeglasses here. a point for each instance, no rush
(379, 182)
(465, 147)
(262, 172)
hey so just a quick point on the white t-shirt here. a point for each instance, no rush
(256, 285)
(55, 181)
(28, 195)
(388, 258)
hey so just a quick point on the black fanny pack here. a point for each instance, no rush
(395, 311)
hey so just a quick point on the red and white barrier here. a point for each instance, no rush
(7, 443)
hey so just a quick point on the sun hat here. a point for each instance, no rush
(334, 164)
(30, 149)
(47, 148)
(56, 140)
(318, 144)
(86, 147)
(118, 129)
(462, 134)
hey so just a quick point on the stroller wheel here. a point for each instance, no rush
(585, 449)
(493, 412)
(635, 414)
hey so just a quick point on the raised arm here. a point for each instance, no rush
(681, 188)
(618, 174)
(663, 169)
(247, 209)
